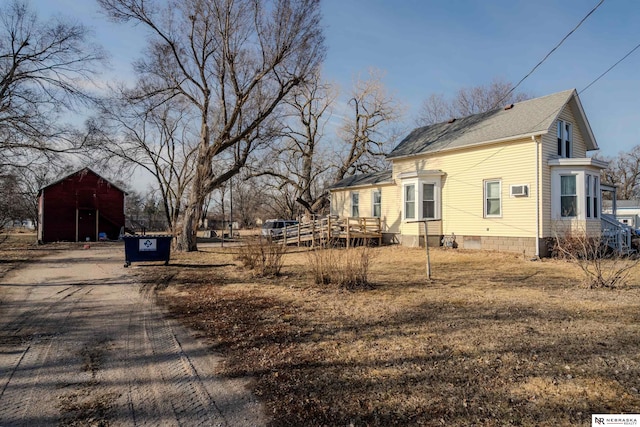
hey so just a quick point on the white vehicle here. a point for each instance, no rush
(273, 227)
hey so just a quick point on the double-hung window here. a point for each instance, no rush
(428, 200)
(355, 204)
(410, 201)
(421, 195)
(565, 139)
(376, 208)
(591, 192)
(492, 199)
(568, 196)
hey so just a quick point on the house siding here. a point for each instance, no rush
(549, 151)
(341, 203)
(464, 171)
(462, 205)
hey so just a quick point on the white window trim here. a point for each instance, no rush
(373, 202)
(418, 198)
(436, 200)
(581, 190)
(576, 195)
(356, 193)
(484, 198)
(404, 201)
(594, 196)
(565, 137)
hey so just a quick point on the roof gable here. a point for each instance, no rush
(82, 171)
(524, 119)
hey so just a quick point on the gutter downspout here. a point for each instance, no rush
(533, 138)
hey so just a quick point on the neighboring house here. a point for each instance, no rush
(507, 179)
(82, 206)
(627, 211)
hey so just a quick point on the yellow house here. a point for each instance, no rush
(507, 179)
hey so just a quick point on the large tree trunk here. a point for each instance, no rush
(187, 240)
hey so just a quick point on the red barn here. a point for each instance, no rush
(79, 207)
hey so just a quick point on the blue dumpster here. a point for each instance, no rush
(146, 248)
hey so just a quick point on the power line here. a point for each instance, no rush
(610, 68)
(550, 52)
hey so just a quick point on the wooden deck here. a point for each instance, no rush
(352, 231)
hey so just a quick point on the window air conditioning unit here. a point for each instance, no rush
(520, 190)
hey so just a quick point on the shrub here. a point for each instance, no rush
(349, 269)
(601, 266)
(262, 256)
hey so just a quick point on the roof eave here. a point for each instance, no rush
(494, 141)
(374, 184)
(585, 127)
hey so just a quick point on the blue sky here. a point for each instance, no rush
(441, 46)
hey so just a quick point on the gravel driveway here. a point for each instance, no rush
(82, 344)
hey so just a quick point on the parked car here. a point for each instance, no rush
(273, 227)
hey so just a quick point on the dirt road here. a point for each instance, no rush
(82, 344)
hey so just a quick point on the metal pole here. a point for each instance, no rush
(222, 234)
(426, 245)
(231, 208)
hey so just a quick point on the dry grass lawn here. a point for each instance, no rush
(493, 340)
(16, 249)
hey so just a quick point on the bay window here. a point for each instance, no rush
(575, 188)
(421, 196)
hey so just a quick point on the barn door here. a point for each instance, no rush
(87, 224)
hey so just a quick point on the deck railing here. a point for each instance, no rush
(330, 228)
(616, 234)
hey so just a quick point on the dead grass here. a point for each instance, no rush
(16, 249)
(492, 340)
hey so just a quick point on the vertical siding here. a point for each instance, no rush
(80, 191)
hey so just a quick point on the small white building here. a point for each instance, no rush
(627, 211)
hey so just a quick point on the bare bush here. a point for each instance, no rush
(602, 267)
(349, 269)
(322, 263)
(262, 256)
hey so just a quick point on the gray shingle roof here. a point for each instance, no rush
(526, 118)
(381, 177)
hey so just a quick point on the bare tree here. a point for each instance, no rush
(305, 166)
(234, 62)
(9, 210)
(368, 131)
(623, 172)
(307, 163)
(43, 69)
(159, 139)
(300, 161)
(468, 101)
